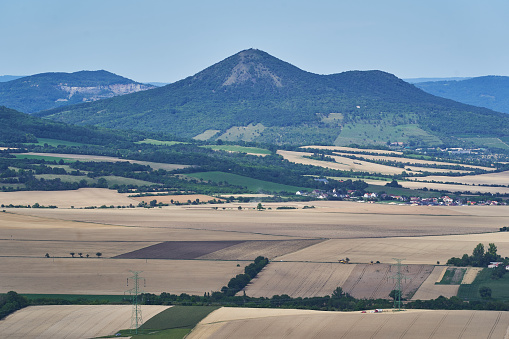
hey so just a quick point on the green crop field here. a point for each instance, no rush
(235, 148)
(253, 185)
(174, 323)
(159, 142)
(499, 287)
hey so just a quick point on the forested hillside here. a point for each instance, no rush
(254, 96)
(49, 90)
(489, 91)
(17, 127)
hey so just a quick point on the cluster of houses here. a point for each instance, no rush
(372, 196)
(495, 264)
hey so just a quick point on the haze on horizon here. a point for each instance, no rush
(167, 41)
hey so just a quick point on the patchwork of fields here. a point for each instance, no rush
(197, 249)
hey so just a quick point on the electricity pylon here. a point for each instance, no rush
(399, 277)
(136, 319)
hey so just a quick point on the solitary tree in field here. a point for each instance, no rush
(72, 254)
(47, 255)
(98, 254)
(80, 254)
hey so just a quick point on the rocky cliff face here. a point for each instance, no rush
(94, 93)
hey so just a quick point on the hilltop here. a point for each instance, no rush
(489, 91)
(50, 90)
(254, 96)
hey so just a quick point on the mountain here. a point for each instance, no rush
(4, 78)
(49, 90)
(489, 91)
(20, 127)
(254, 96)
(419, 80)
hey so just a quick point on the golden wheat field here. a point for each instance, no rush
(260, 323)
(499, 178)
(71, 321)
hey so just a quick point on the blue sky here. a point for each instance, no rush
(156, 40)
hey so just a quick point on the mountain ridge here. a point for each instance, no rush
(491, 91)
(254, 96)
(43, 91)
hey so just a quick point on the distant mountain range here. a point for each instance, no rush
(254, 96)
(4, 78)
(50, 90)
(489, 91)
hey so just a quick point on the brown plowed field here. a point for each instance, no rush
(298, 279)
(378, 280)
(249, 250)
(71, 321)
(414, 324)
(178, 250)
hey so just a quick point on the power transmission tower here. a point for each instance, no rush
(398, 277)
(136, 319)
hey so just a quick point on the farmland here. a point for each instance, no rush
(72, 321)
(260, 323)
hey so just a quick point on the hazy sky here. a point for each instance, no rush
(165, 40)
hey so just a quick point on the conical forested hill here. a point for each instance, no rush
(255, 96)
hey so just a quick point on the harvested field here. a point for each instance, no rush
(500, 178)
(108, 276)
(249, 250)
(298, 279)
(347, 164)
(167, 199)
(356, 150)
(26, 228)
(38, 248)
(471, 274)
(453, 187)
(413, 161)
(260, 323)
(71, 321)
(429, 290)
(416, 250)
(100, 158)
(377, 281)
(82, 197)
(178, 250)
(328, 220)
